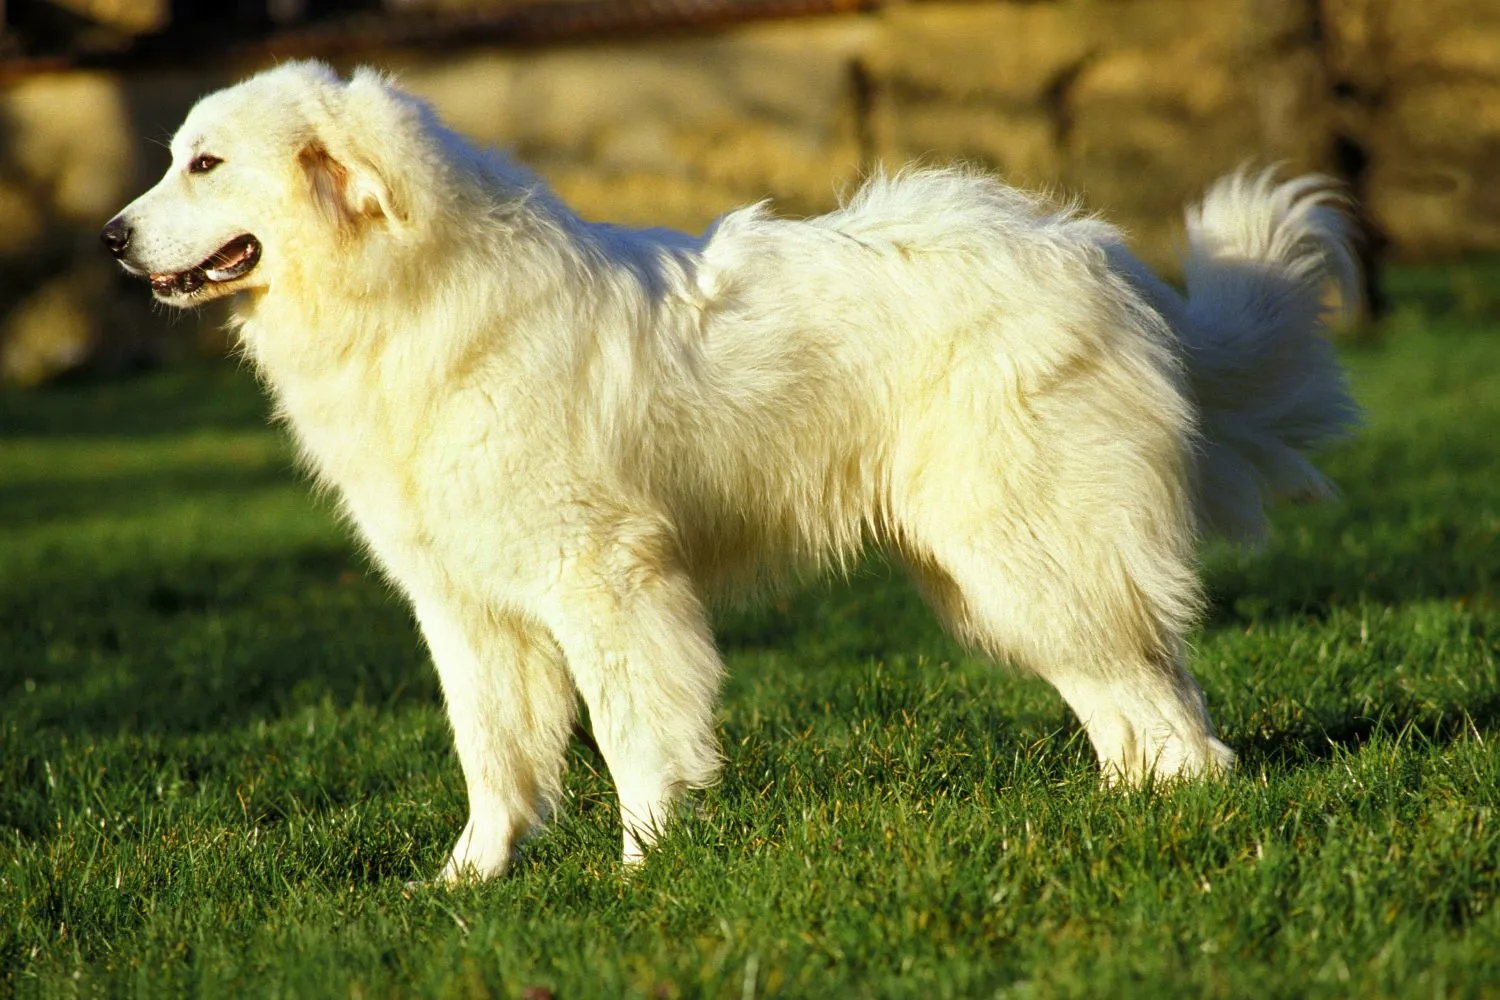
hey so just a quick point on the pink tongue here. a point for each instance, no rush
(228, 256)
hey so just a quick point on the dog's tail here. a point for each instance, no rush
(1261, 257)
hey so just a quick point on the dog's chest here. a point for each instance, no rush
(433, 488)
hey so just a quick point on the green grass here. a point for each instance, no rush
(222, 754)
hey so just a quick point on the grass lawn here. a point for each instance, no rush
(222, 753)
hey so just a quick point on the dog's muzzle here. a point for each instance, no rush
(234, 259)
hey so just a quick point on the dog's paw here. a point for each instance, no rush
(1167, 758)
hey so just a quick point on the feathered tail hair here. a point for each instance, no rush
(1261, 258)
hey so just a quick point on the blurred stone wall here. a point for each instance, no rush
(1415, 105)
(1132, 105)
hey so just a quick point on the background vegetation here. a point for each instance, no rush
(223, 757)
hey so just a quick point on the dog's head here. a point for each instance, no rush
(269, 181)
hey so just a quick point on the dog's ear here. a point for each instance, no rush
(348, 189)
(354, 161)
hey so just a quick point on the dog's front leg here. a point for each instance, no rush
(511, 704)
(638, 645)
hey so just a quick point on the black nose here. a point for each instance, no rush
(116, 236)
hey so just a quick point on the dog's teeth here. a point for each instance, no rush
(215, 274)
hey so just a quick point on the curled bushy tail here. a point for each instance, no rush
(1261, 257)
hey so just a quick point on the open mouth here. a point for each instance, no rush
(234, 259)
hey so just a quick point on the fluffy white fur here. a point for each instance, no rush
(562, 440)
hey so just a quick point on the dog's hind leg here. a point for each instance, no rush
(1145, 716)
(511, 704)
(1092, 635)
(1052, 526)
(638, 645)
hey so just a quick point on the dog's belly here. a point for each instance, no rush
(747, 520)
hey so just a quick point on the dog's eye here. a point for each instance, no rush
(203, 163)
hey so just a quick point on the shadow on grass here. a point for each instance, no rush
(875, 614)
(207, 395)
(192, 644)
(1329, 736)
(195, 645)
(1293, 585)
(1401, 533)
(76, 498)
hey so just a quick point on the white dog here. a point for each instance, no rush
(562, 440)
